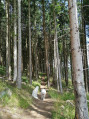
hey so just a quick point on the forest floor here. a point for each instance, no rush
(21, 105)
(39, 109)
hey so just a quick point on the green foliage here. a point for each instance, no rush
(2, 70)
(53, 93)
(35, 83)
(2, 9)
(57, 8)
(86, 10)
(5, 100)
(70, 86)
(19, 98)
(25, 79)
(3, 85)
(67, 96)
(88, 99)
(23, 102)
(42, 74)
(62, 109)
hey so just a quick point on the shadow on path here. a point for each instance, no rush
(43, 108)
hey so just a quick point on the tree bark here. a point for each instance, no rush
(30, 55)
(7, 39)
(83, 40)
(36, 42)
(46, 43)
(57, 73)
(85, 63)
(0, 39)
(65, 55)
(19, 46)
(71, 68)
(57, 61)
(15, 43)
(9, 42)
(81, 109)
(36, 60)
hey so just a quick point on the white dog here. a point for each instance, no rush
(43, 94)
(35, 91)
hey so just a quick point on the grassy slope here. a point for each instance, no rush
(20, 98)
(64, 103)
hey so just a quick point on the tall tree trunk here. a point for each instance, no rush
(59, 68)
(59, 82)
(57, 73)
(57, 59)
(83, 38)
(36, 42)
(66, 65)
(9, 42)
(30, 55)
(15, 43)
(0, 39)
(85, 56)
(36, 60)
(46, 43)
(81, 109)
(55, 49)
(65, 54)
(19, 46)
(7, 39)
(71, 68)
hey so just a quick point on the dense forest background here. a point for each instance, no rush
(36, 44)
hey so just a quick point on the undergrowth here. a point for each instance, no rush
(19, 98)
(62, 108)
(2, 70)
(64, 103)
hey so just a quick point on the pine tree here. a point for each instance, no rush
(81, 109)
(30, 55)
(15, 43)
(19, 46)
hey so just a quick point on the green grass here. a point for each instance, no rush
(53, 93)
(62, 109)
(19, 98)
(67, 96)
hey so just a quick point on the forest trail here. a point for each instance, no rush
(42, 109)
(38, 110)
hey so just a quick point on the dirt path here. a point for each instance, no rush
(42, 109)
(38, 110)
